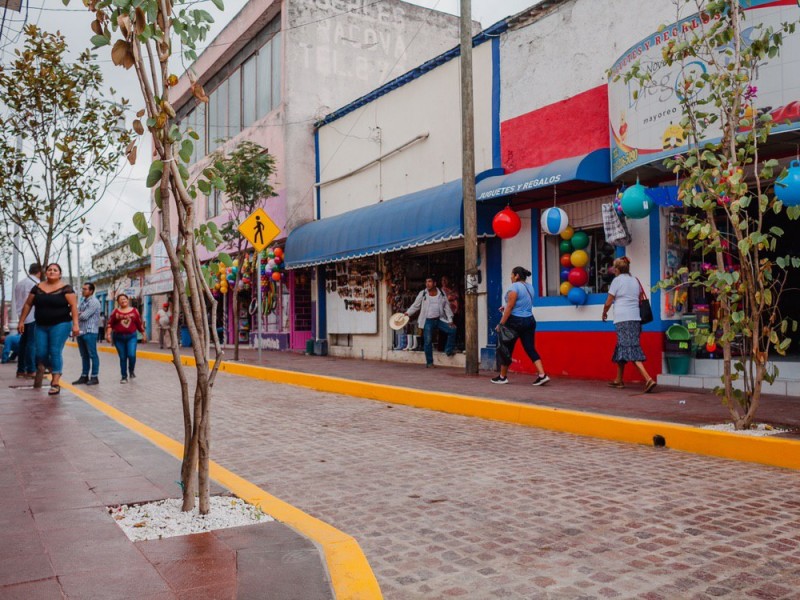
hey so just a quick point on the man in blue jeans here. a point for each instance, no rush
(88, 322)
(26, 363)
(434, 314)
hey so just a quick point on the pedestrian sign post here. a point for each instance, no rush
(259, 230)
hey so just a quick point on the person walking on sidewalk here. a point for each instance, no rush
(88, 320)
(164, 320)
(26, 363)
(434, 314)
(623, 294)
(518, 316)
(56, 317)
(123, 323)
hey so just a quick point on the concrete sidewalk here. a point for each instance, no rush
(63, 463)
(668, 404)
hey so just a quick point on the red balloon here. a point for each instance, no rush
(506, 223)
(578, 277)
(276, 276)
(566, 260)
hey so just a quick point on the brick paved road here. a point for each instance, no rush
(447, 506)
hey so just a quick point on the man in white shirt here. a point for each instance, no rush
(164, 320)
(434, 313)
(26, 363)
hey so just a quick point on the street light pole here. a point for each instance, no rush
(15, 256)
(468, 182)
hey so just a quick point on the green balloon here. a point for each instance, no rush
(580, 240)
(565, 246)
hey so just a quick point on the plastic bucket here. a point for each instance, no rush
(186, 339)
(310, 347)
(678, 333)
(678, 364)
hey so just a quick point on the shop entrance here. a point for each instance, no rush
(789, 304)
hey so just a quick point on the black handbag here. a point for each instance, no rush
(645, 310)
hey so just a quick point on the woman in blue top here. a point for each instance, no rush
(518, 316)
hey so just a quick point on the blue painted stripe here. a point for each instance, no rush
(494, 286)
(484, 36)
(322, 315)
(317, 189)
(497, 161)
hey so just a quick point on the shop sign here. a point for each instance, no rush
(157, 283)
(646, 129)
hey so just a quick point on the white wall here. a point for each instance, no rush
(429, 104)
(569, 50)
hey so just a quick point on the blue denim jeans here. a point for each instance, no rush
(432, 325)
(125, 343)
(26, 363)
(87, 345)
(50, 340)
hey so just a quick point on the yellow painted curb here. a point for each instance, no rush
(351, 576)
(776, 452)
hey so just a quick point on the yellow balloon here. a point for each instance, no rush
(567, 233)
(579, 258)
(565, 288)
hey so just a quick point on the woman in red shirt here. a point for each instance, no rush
(123, 323)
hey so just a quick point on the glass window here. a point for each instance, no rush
(558, 266)
(200, 128)
(264, 79)
(213, 204)
(234, 103)
(276, 71)
(213, 128)
(249, 92)
(222, 114)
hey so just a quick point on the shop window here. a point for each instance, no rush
(214, 204)
(601, 259)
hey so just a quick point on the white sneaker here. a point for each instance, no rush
(541, 380)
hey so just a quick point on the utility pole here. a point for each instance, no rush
(78, 260)
(468, 182)
(15, 256)
(69, 265)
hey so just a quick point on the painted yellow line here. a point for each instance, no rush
(769, 450)
(351, 576)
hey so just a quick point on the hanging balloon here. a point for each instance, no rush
(554, 221)
(578, 277)
(276, 276)
(567, 233)
(787, 189)
(271, 263)
(636, 204)
(565, 288)
(271, 254)
(566, 260)
(579, 258)
(235, 262)
(278, 252)
(278, 260)
(577, 296)
(617, 203)
(580, 240)
(565, 246)
(565, 273)
(506, 224)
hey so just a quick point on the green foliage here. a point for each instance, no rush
(727, 190)
(71, 138)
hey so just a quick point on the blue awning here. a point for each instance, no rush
(418, 219)
(571, 175)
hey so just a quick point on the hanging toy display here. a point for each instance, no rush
(636, 204)
(565, 288)
(617, 203)
(787, 189)
(573, 261)
(506, 224)
(554, 221)
(577, 296)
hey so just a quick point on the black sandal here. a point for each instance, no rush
(54, 390)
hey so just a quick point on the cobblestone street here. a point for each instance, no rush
(448, 506)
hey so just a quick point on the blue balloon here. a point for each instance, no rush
(565, 273)
(577, 296)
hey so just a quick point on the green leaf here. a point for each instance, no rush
(155, 173)
(187, 148)
(218, 4)
(135, 245)
(157, 198)
(225, 259)
(98, 41)
(151, 237)
(140, 222)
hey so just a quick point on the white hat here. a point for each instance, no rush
(398, 320)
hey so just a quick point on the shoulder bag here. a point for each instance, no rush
(645, 310)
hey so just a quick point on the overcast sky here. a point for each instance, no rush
(129, 194)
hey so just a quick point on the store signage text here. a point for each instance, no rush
(531, 184)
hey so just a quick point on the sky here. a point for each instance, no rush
(128, 194)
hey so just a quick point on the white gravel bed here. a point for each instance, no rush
(760, 429)
(163, 519)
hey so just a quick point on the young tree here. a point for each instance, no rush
(144, 42)
(247, 174)
(71, 139)
(728, 189)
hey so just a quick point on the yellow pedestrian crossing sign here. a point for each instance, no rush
(259, 229)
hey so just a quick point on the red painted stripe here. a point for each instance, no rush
(572, 127)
